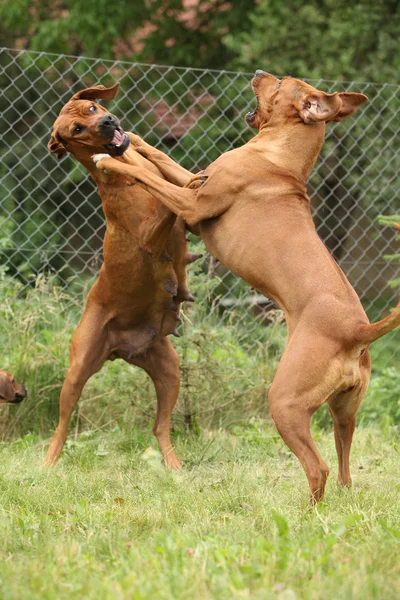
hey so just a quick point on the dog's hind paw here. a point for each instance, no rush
(97, 158)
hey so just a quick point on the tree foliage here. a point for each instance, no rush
(180, 32)
(330, 39)
(333, 39)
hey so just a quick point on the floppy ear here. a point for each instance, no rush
(6, 392)
(56, 147)
(350, 102)
(318, 106)
(98, 91)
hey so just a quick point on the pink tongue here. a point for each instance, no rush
(118, 138)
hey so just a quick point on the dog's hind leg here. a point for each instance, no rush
(343, 408)
(161, 363)
(292, 420)
(87, 355)
(343, 425)
(304, 381)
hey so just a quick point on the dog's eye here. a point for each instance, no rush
(78, 129)
(93, 108)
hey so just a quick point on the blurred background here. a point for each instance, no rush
(318, 38)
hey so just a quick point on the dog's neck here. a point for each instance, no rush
(292, 147)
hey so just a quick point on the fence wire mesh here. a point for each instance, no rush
(50, 215)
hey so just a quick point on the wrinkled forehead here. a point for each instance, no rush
(296, 86)
(80, 108)
(73, 111)
(62, 122)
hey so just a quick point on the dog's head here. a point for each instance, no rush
(289, 99)
(84, 127)
(10, 390)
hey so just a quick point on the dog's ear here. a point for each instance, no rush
(6, 390)
(350, 102)
(98, 91)
(56, 147)
(315, 106)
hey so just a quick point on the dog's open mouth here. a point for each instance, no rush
(250, 116)
(18, 398)
(118, 144)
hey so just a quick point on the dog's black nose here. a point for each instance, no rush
(260, 73)
(108, 122)
(18, 398)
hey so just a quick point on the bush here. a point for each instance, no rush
(223, 376)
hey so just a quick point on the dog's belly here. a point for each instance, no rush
(274, 247)
(132, 342)
(132, 281)
(128, 341)
(242, 253)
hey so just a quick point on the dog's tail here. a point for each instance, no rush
(369, 333)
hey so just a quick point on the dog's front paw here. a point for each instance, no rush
(97, 159)
(197, 181)
(137, 143)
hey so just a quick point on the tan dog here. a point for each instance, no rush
(134, 304)
(10, 390)
(253, 214)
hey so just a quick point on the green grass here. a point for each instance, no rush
(109, 522)
(227, 365)
(225, 370)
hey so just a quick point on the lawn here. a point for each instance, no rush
(109, 522)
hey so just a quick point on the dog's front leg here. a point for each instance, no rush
(181, 201)
(171, 170)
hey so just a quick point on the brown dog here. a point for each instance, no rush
(253, 214)
(10, 390)
(134, 304)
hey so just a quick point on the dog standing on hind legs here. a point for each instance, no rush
(253, 213)
(134, 304)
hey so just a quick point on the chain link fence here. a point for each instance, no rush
(50, 215)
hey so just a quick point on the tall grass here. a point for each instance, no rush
(223, 376)
(226, 370)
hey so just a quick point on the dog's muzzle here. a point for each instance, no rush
(19, 396)
(109, 126)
